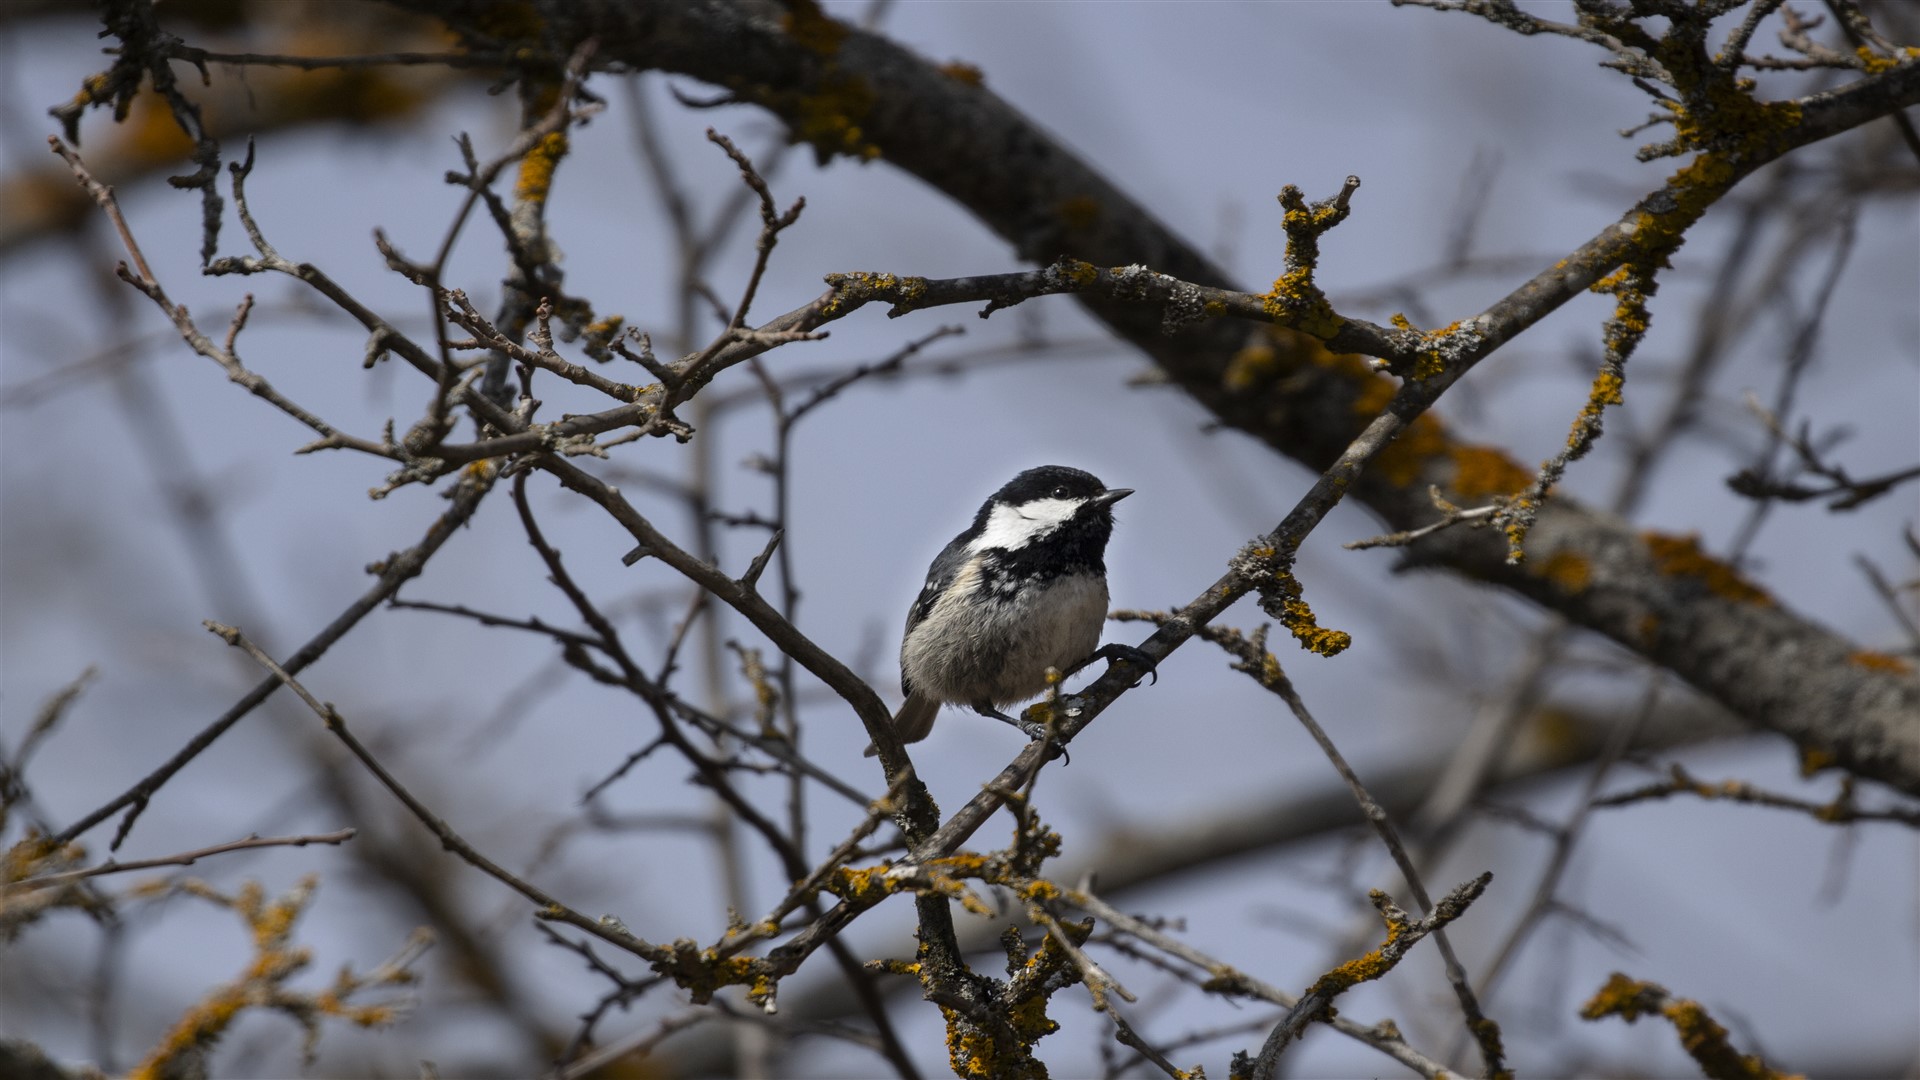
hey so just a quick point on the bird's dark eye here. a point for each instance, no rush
(1060, 492)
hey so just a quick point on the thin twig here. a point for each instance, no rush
(1256, 661)
(1403, 933)
(548, 907)
(394, 571)
(185, 858)
(1839, 811)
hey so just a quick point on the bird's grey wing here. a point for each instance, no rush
(946, 566)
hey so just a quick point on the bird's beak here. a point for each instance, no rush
(1111, 496)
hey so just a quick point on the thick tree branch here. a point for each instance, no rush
(1656, 595)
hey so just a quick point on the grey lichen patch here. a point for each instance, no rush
(1184, 306)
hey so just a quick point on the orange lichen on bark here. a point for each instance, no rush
(1299, 620)
(263, 984)
(1435, 347)
(1879, 661)
(1297, 302)
(1375, 391)
(832, 119)
(813, 28)
(1483, 470)
(1404, 460)
(1814, 759)
(1570, 570)
(1682, 557)
(1701, 1037)
(1629, 999)
(1078, 212)
(537, 168)
(1605, 391)
(962, 72)
(1251, 366)
(151, 135)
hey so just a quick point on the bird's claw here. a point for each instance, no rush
(1131, 655)
(1041, 734)
(1038, 732)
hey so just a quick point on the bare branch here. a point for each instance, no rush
(1840, 811)
(185, 858)
(546, 906)
(393, 572)
(1403, 933)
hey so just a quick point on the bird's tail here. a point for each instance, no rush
(914, 721)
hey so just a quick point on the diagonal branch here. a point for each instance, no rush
(394, 571)
(1403, 933)
(1647, 592)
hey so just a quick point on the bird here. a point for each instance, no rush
(1021, 590)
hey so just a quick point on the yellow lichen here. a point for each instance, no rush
(969, 1051)
(1682, 557)
(1078, 212)
(1516, 529)
(1404, 460)
(1295, 301)
(537, 168)
(1479, 471)
(1701, 1037)
(150, 135)
(1298, 618)
(1814, 759)
(1429, 360)
(1365, 969)
(861, 286)
(1030, 1020)
(812, 28)
(1626, 998)
(1879, 661)
(831, 119)
(1873, 63)
(1706, 1042)
(961, 72)
(1039, 889)
(1081, 274)
(1251, 366)
(1569, 570)
(856, 885)
(1606, 391)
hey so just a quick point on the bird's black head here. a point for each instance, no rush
(1053, 512)
(1049, 482)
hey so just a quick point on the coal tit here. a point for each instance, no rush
(1023, 589)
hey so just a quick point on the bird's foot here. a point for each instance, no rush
(1034, 730)
(1041, 734)
(1116, 651)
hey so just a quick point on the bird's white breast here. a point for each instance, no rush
(980, 643)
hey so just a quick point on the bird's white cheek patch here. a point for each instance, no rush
(1012, 527)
